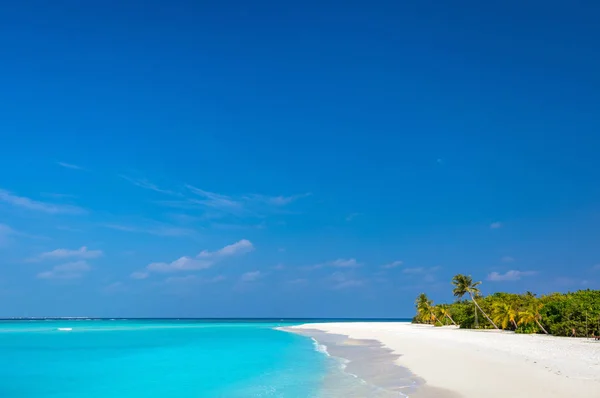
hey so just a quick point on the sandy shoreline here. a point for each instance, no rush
(465, 363)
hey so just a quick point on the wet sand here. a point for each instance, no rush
(372, 363)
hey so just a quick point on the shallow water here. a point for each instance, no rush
(155, 359)
(100, 358)
(367, 368)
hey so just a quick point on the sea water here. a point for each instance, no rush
(158, 358)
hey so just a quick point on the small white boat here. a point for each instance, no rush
(65, 329)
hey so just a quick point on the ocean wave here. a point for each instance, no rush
(320, 347)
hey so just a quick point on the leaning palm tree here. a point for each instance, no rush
(444, 310)
(532, 314)
(464, 284)
(504, 313)
(425, 309)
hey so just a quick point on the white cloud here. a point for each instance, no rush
(139, 275)
(250, 276)
(239, 247)
(511, 275)
(393, 264)
(143, 183)
(507, 259)
(279, 267)
(596, 267)
(72, 270)
(204, 259)
(496, 225)
(70, 166)
(181, 264)
(81, 253)
(30, 204)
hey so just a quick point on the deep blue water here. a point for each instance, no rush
(156, 358)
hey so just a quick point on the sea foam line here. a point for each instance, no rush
(320, 347)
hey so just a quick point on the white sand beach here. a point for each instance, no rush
(491, 364)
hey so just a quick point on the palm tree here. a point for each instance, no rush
(444, 310)
(464, 284)
(504, 313)
(532, 314)
(423, 305)
(425, 308)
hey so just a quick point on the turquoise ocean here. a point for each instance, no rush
(162, 358)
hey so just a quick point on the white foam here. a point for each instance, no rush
(320, 347)
(65, 329)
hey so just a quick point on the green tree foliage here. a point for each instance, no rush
(464, 284)
(561, 314)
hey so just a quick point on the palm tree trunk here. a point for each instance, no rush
(514, 323)
(449, 317)
(540, 325)
(437, 319)
(484, 314)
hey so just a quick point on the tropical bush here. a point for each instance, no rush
(560, 314)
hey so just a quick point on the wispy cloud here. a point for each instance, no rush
(72, 270)
(5, 234)
(205, 259)
(54, 195)
(426, 274)
(249, 205)
(352, 216)
(215, 200)
(507, 259)
(30, 204)
(275, 200)
(512, 275)
(143, 183)
(240, 247)
(393, 264)
(496, 225)
(158, 230)
(343, 262)
(596, 267)
(139, 275)
(341, 280)
(339, 263)
(81, 253)
(70, 166)
(250, 276)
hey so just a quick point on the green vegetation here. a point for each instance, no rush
(561, 314)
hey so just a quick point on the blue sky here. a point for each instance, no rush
(278, 159)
